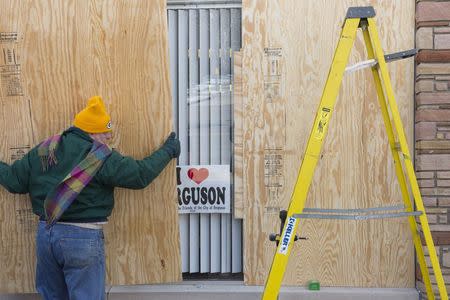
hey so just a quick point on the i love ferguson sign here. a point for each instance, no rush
(203, 189)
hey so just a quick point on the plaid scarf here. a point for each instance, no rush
(58, 200)
(46, 152)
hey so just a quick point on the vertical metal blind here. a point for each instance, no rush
(202, 38)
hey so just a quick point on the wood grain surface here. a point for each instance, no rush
(64, 52)
(287, 50)
(238, 150)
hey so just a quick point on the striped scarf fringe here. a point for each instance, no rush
(46, 152)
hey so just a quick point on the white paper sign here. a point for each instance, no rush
(203, 189)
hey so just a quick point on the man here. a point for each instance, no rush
(71, 178)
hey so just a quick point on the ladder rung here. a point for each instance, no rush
(361, 65)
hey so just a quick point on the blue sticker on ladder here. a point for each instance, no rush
(286, 237)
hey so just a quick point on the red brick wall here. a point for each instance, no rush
(432, 123)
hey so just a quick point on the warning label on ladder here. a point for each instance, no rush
(322, 125)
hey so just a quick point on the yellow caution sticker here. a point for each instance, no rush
(322, 124)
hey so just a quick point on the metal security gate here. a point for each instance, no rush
(202, 38)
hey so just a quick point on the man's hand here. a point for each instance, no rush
(172, 145)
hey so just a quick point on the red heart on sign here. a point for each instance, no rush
(198, 175)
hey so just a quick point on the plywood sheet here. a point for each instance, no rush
(287, 51)
(56, 54)
(238, 150)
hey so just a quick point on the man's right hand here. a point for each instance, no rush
(172, 145)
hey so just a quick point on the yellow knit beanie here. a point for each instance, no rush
(93, 118)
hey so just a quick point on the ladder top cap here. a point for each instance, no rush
(360, 12)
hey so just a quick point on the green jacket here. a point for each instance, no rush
(96, 200)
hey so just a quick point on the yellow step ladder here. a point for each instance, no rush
(357, 17)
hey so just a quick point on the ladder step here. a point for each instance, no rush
(356, 214)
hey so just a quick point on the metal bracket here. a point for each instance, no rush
(357, 214)
(400, 55)
(360, 12)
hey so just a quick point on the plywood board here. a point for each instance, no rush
(63, 52)
(238, 150)
(287, 50)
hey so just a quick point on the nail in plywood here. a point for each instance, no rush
(287, 51)
(66, 51)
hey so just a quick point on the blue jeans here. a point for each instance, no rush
(70, 263)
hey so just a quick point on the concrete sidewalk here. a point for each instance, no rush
(225, 290)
